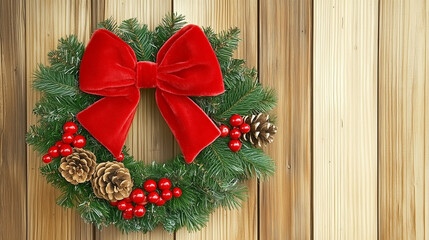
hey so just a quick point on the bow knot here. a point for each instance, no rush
(185, 66)
(146, 74)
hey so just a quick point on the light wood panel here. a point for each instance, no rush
(345, 119)
(13, 168)
(222, 15)
(149, 138)
(285, 64)
(404, 120)
(46, 22)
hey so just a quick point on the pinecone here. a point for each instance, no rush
(78, 167)
(261, 130)
(112, 181)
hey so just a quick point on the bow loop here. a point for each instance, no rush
(186, 66)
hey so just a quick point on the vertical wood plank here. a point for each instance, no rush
(345, 119)
(13, 168)
(403, 119)
(149, 138)
(221, 15)
(46, 22)
(285, 64)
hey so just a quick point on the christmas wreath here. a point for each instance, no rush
(214, 105)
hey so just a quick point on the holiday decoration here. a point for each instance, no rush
(78, 166)
(261, 130)
(112, 181)
(70, 127)
(54, 152)
(79, 141)
(47, 158)
(65, 150)
(236, 120)
(214, 105)
(224, 130)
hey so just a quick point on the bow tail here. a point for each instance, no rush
(192, 128)
(109, 119)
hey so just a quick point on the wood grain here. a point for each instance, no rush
(149, 138)
(13, 168)
(345, 119)
(285, 64)
(221, 15)
(46, 22)
(404, 120)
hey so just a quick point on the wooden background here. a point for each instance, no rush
(352, 151)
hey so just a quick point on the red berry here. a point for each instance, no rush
(68, 138)
(236, 120)
(177, 192)
(224, 130)
(59, 144)
(234, 145)
(66, 150)
(144, 202)
(54, 152)
(160, 202)
(245, 128)
(164, 183)
(137, 195)
(70, 127)
(47, 158)
(129, 208)
(120, 158)
(114, 203)
(127, 199)
(122, 205)
(149, 185)
(235, 133)
(127, 215)
(166, 194)
(79, 141)
(153, 197)
(139, 211)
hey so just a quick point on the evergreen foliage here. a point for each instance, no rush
(211, 181)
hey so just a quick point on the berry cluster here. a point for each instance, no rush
(140, 199)
(238, 128)
(63, 148)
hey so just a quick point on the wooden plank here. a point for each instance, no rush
(345, 119)
(285, 64)
(13, 168)
(221, 15)
(149, 138)
(46, 22)
(404, 120)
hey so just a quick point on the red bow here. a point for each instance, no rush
(186, 66)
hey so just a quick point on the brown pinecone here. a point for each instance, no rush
(112, 181)
(78, 167)
(261, 130)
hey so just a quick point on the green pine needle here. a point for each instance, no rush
(55, 83)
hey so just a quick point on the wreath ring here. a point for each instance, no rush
(108, 188)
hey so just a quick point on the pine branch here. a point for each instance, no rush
(139, 38)
(255, 162)
(247, 97)
(53, 82)
(220, 161)
(66, 58)
(110, 25)
(170, 24)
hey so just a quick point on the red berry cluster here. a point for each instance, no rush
(63, 147)
(238, 128)
(140, 199)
